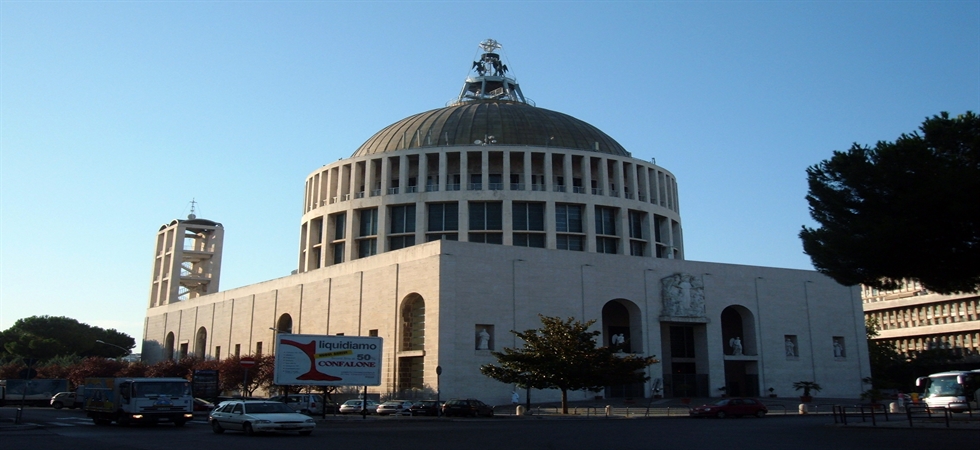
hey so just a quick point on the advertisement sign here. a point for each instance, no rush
(307, 359)
(205, 384)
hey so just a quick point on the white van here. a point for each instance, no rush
(303, 403)
(958, 390)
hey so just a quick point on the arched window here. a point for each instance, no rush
(413, 323)
(201, 343)
(284, 324)
(168, 347)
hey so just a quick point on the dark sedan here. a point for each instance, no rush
(466, 407)
(734, 407)
(426, 408)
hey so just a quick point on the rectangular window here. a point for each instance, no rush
(485, 216)
(338, 252)
(529, 240)
(373, 333)
(258, 349)
(682, 342)
(443, 217)
(606, 244)
(340, 226)
(398, 242)
(403, 219)
(636, 224)
(487, 238)
(568, 218)
(369, 222)
(238, 350)
(637, 248)
(367, 247)
(570, 242)
(528, 216)
(605, 220)
(217, 353)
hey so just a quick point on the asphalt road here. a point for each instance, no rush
(70, 429)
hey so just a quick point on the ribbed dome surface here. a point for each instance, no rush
(509, 123)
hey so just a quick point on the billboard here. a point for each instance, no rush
(308, 359)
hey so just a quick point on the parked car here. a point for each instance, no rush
(355, 406)
(426, 408)
(396, 407)
(466, 407)
(63, 399)
(304, 403)
(731, 407)
(257, 416)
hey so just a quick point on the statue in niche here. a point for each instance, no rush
(790, 347)
(683, 296)
(838, 349)
(736, 344)
(483, 342)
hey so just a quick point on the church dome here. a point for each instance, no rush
(490, 122)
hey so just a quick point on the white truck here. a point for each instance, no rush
(956, 391)
(138, 400)
(37, 391)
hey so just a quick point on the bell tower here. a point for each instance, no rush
(186, 261)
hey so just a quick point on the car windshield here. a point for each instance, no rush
(266, 408)
(721, 403)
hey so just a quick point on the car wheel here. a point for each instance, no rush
(57, 405)
(216, 427)
(720, 415)
(760, 414)
(306, 433)
(247, 428)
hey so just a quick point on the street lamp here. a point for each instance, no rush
(128, 352)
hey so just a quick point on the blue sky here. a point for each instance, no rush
(113, 115)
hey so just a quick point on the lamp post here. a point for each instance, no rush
(128, 352)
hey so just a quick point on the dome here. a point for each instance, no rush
(491, 122)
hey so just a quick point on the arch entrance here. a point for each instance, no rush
(738, 332)
(411, 343)
(622, 332)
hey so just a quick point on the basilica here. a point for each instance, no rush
(449, 228)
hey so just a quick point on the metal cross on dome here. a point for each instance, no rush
(490, 45)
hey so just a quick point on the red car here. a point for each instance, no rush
(736, 407)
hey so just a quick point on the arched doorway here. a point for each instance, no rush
(741, 350)
(622, 332)
(411, 343)
(201, 342)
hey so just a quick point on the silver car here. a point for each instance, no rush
(256, 416)
(354, 407)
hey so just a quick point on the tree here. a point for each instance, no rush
(232, 374)
(45, 337)
(884, 357)
(563, 355)
(903, 210)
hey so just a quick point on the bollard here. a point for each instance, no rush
(608, 410)
(520, 410)
(804, 408)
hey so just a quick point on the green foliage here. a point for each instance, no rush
(562, 355)
(882, 355)
(46, 337)
(806, 387)
(901, 210)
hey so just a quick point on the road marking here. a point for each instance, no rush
(60, 424)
